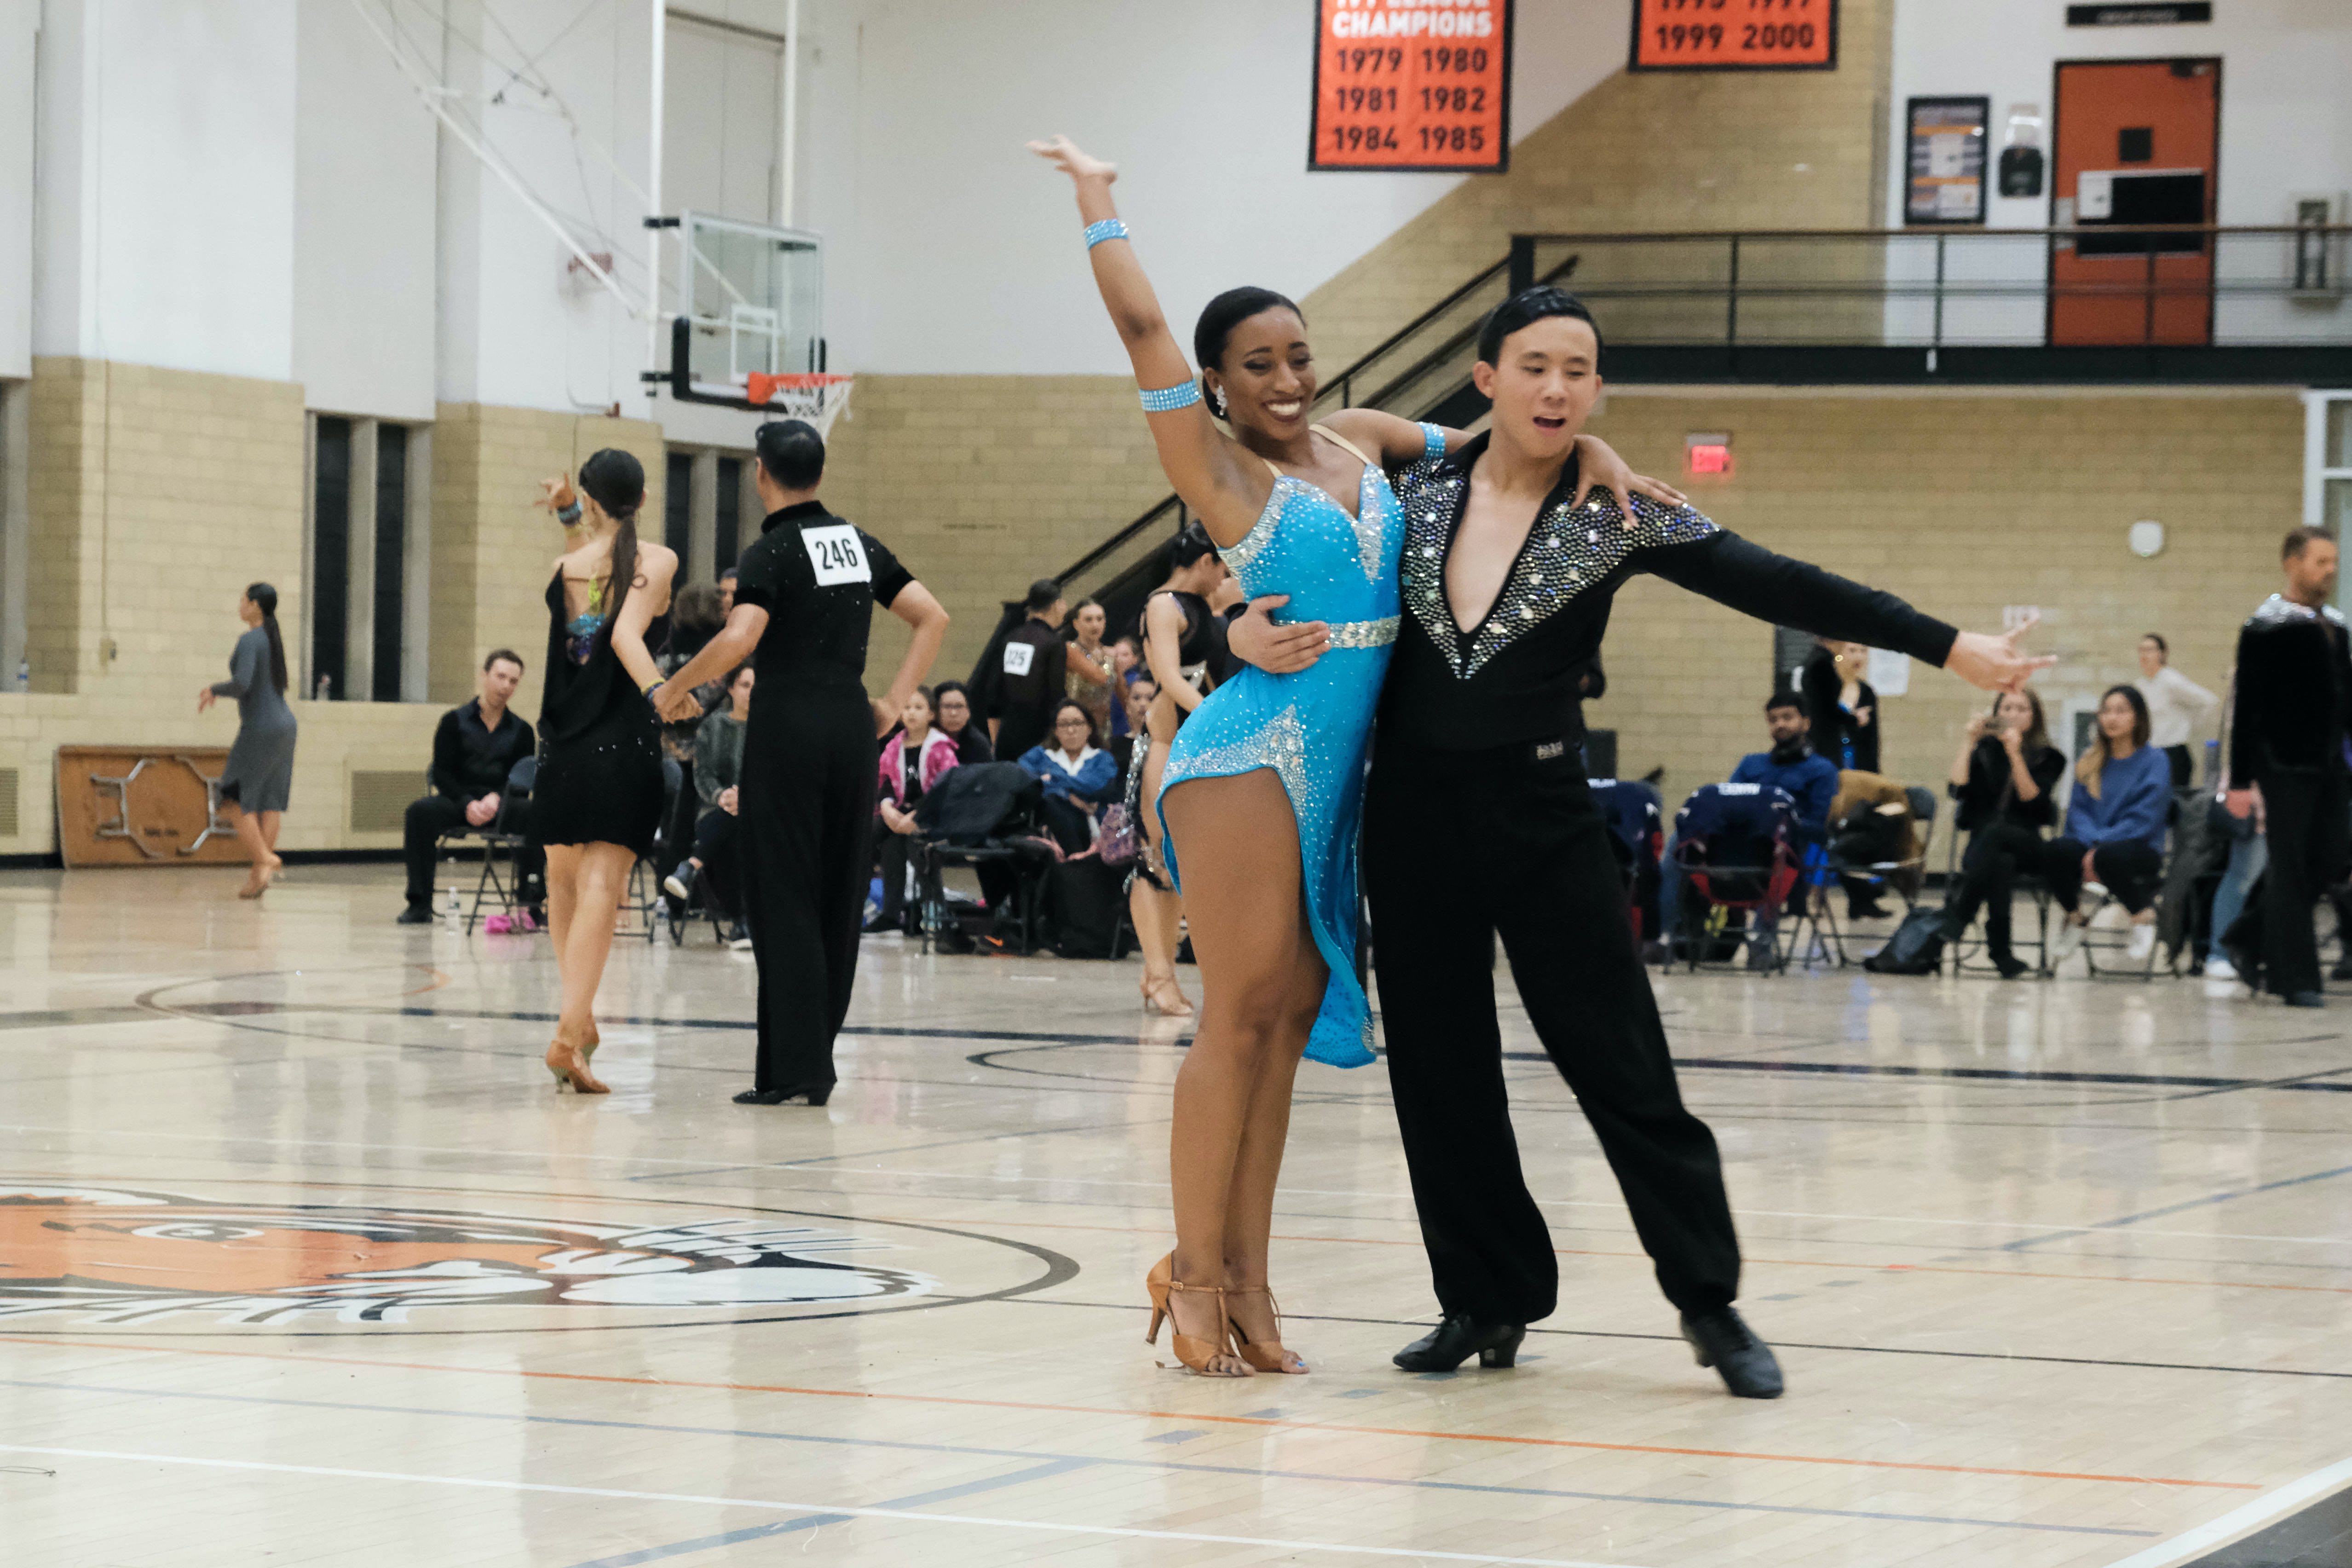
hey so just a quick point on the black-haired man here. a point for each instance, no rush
(2292, 712)
(803, 605)
(474, 747)
(1031, 681)
(1477, 819)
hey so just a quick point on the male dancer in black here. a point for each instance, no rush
(1032, 680)
(1477, 819)
(2292, 710)
(803, 599)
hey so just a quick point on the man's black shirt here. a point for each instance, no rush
(2293, 702)
(1032, 681)
(470, 759)
(1513, 677)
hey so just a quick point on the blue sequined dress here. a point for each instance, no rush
(1313, 728)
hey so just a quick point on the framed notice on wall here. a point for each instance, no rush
(1411, 85)
(1944, 169)
(1734, 35)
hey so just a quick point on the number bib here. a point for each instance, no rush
(1017, 658)
(837, 554)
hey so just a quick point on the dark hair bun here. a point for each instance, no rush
(1191, 543)
(615, 480)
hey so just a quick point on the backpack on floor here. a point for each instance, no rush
(1916, 947)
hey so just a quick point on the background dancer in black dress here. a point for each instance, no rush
(804, 596)
(259, 773)
(1178, 629)
(1477, 820)
(599, 795)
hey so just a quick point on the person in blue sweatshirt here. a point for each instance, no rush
(2115, 825)
(1811, 780)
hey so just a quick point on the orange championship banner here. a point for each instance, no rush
(1735, 34)
(1405, 85)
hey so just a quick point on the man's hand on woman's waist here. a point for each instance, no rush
(1284, 650)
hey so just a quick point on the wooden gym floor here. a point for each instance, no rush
(303, 1261)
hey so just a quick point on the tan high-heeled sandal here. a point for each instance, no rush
(570, 1068)
(1263, 1355)
(1165, 997)
(1192, 1351)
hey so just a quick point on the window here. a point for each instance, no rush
(331, 560)
(2328, 464)
(677, 505)
(731, 512)
(367, 615)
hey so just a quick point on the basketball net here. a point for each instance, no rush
(816, 398)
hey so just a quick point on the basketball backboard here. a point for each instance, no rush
(749, 300)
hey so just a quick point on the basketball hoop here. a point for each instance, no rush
(815, 396)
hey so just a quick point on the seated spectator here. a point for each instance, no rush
(953, 703)
(2005, 780)
(1871, 824)
(726, 593)
(474, 749)
(2115, 825)
(717, 768)
(914, 759)
(1791, 765)
(1126, 664)
(1079, 779)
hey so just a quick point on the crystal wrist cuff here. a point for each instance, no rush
(568, 515)
(1110, 228)
(1168, 399)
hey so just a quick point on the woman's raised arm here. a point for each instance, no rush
(1206, 467)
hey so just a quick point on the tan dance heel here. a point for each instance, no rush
(1165, 997)
(1267, 1355)
(570, 1066)
(1194, 1352)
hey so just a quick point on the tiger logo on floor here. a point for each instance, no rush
(109, 1255)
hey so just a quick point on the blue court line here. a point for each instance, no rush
(1033, 1455)
(818, 1520)
(2170, 1209)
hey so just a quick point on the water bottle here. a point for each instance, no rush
(453, 915)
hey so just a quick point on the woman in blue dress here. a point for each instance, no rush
(1260, 798)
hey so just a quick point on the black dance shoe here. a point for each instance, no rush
(415, 915)
(2307, 999)
(1745, 1363)
(1457, 1339)
(2010, 967)
(815, 1093)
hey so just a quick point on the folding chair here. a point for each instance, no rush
(1818, 930)
(505, 894)
(643, 898)
(1734, 851)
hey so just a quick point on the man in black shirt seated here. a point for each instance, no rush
(475, 748)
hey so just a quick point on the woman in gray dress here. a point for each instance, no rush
(260, 772)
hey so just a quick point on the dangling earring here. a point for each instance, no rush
(1217, 401)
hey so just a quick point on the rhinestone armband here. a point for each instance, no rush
(1110, 228)
(1168, 399)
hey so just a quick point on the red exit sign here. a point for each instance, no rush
(1735, 34)
(1706, 454)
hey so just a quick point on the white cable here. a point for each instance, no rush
(430, 94)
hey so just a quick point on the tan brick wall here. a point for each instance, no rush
(1645, 154)
(157, 495)
(983, 483)
(1962, 505)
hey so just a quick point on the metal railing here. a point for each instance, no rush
(2145, 284)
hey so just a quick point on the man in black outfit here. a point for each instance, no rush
(1033, 678)
(1478, 819)
(804, 594)
(2294, 710)
(474, 749)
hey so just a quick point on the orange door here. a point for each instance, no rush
(2136, 140)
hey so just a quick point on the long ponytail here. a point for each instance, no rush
(264, 599)
(615, 481)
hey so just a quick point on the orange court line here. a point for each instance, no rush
(1147, 1415)
(1779, 1262)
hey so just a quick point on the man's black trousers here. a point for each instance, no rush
(2304, 815)
(1458, 846)
(433, 815)
(805, 836)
